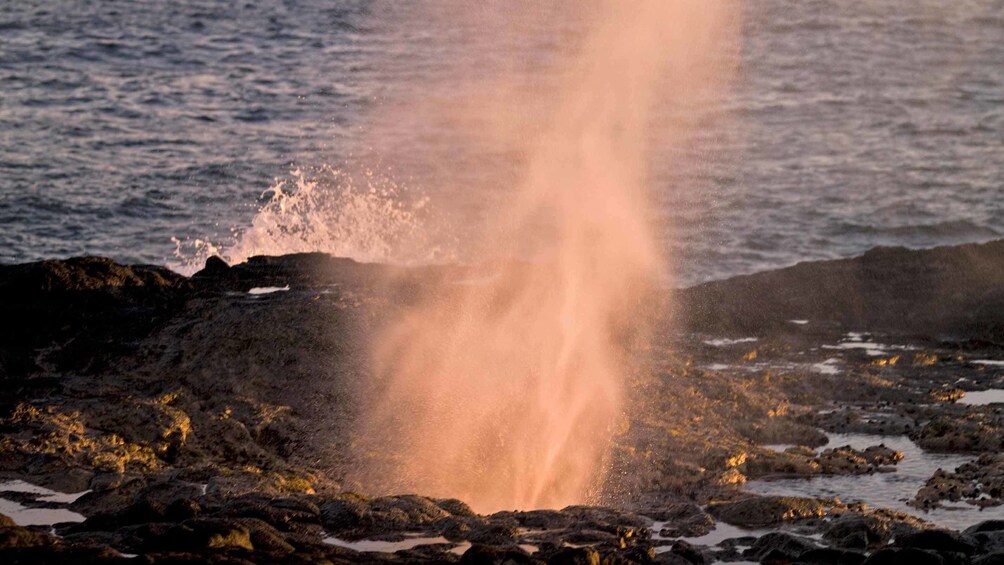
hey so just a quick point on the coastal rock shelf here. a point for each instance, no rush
(210, 419)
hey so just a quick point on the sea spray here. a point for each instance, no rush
(504, 393)
(367, 216)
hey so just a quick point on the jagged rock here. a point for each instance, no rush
(14, 536)
(667, 558)
(829, 556)
(455, 507)
(990, 559)
(355, 516)
(781, 430)
(147, 388)
(264, 537)
(201, 535)
(835, 461)
(690, 553)
(852, 420)
(283, 513)
(853, 531)
(909, 556)
(764, 511)
(492, 555)
(938, 540)
(980, 482)
(683, 520)
(345, 513)
(973, 432)
(989, 542)
(780, 544)
(985, 526)
(886, 289)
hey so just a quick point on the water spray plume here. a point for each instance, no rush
(504, 391)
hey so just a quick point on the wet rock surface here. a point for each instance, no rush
(208, 424)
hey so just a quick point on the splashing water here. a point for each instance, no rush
(506, 393)
(366, 217)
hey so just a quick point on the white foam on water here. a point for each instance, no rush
(368, 217)
(828, 367)
(725, 342)
(988, 362)
(856, 340)
(258, 290)
(871, 348)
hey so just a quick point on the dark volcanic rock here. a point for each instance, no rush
(352, 516)
(955, 291)
(200, 535)
(493, 555)
(297, 269)
(828, 556)
(906, 557)
(764, 511)
(688, 552)
(990, 559)
(14, 536)
(781, 544)
(938, 540)
(979, 482)
(285, 513)
(683, 520)
(989, 542)
(968, 433)
(834, 461)
(854, 531)
(216, 426)
(93, 306)
(986, 526)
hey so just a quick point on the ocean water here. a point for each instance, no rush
(160, 132)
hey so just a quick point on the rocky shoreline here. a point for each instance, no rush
(209, 418)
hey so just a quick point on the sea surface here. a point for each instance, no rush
(161, 132)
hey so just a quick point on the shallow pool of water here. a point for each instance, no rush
(381, 546)
(887, 490)
(983, 397)
(28, 516)
(410, 542)
(719, 533)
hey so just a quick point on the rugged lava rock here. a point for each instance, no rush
(952, 291)
(212, 425)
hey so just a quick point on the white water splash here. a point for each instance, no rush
(367, 217)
